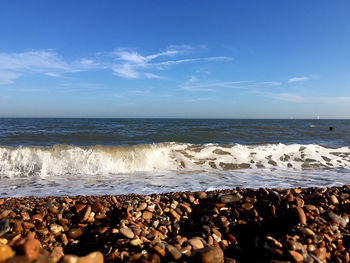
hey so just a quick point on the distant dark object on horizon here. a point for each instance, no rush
(331, 128)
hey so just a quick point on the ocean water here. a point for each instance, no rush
(44, 157)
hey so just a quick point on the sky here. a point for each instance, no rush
(175, 59)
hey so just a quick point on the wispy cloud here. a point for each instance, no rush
(7, 77)
(130, 64)
(195, 84)
(124, 63)
(152, 76)
(200, 99)
(298, 79)
(289, 97)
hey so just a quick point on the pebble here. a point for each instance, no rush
(299, 215)
(31, 248)
(208, 255)
(230, 198)
(83, 214)
(295, 256)
(201, 195)
(4, 226)
(242, 223)
(75, 232)
(19, 259)
(94, 257)
(6, 252)
(173, 252)
(196, 243)
(127, 232)
(337, 219)
(147, 215)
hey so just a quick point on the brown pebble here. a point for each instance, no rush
(202, 195)
(28, 225)
(37, 218)
(83, 214)
(160, 249)
(147, 215)
(185, 208)
(94, 257)
(299, 215)
(127, 232)
(69, 259)
(57, 253)
(25, 215)
(247, 206)
(196, 243)
(230, 198)
(208, 255)
(19, 259)
(75, 232)
(6, 252)
(142, 206)
(173, 252)
(31, 248)
(97, 207)
(64, 239)
(321, 253)
(295, 256)
(333, 200)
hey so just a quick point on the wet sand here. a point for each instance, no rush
(236, 225)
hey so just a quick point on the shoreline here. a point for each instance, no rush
(232, 225)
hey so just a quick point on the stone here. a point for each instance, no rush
(4, 226)
(160, 249)
(56, 254)
(142, 206)
(337, 219)
(31, 248)
(84, 214)
(321, 253)
(94, 257)
(127, 232)
(19, 259)
(294, 245)
(97, 207)
(208, 255)
(247, 206)
(299, 215)
(333, 200)
(69, 259)
(185, 208)
(173, 252)
(75, 232)
(37, 218)
(147, 215)
(202, 195)
(135, 242)
(230, 198)
(196, 243)
(295, 256)
(6, 252)
(56, 229)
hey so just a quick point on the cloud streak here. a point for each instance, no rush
(298, 79)
(123, 63)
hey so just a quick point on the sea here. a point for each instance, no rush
(57, 157)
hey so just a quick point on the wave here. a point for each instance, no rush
(165, 157)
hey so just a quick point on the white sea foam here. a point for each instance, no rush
(66, 160)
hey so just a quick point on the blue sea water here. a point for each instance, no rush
(112, 156)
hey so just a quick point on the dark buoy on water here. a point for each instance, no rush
(331, 128)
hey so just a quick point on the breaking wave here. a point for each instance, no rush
(108, 160)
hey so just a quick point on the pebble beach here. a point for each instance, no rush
(236, 225)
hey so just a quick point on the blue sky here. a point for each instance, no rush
(192, 59)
